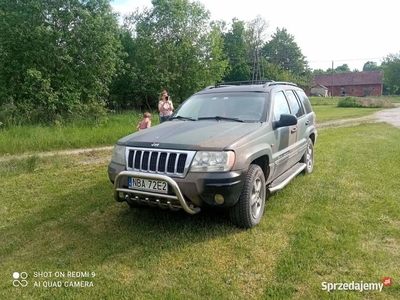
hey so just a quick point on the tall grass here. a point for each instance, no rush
(364, 102)
(323, 101)
(83, 134)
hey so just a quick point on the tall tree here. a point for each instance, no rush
(339, 69)
(391, 73)
(57, 57)
(370, 66)
(343, 69)
(256, 35)
(283, 50)
(175, 48)
(236, 50)
(319, 71)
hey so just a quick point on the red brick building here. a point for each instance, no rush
(352, 84)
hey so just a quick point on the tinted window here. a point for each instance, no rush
(297, 109)
(304, 100)
(280, 106)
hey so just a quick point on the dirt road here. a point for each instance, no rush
(391, 116)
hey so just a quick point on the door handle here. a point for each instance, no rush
(293, 130)
(307, 122)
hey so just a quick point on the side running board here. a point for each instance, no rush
(286, 177)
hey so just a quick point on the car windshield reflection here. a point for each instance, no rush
(241, 107)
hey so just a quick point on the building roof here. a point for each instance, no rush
(354, 78)
(319, 86)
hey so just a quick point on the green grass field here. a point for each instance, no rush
(327, 110)
(317, 101)
(339, 224)
(328, 113)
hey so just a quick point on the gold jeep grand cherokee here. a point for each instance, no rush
(223, 148)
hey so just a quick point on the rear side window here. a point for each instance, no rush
(297, 108)
(304, 100)
(280, 106)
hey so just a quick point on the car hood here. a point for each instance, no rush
(190, 135)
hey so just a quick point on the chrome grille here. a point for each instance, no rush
(161, 161)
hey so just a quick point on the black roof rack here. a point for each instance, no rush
(282, 83)
(265, 83)
(248, 82)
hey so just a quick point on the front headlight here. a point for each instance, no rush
(211, 161)
(118, 155)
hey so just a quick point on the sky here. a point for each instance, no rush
(339, 32)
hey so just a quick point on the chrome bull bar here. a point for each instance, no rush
(178, 194)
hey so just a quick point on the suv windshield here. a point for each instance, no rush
(243, 106)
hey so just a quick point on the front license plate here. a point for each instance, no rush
(157, 186)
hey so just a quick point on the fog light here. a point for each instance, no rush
(219, 198)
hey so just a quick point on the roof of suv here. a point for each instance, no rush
(244, 86)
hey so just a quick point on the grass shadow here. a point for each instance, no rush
(87, 224)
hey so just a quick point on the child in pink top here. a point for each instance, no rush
(145, 122)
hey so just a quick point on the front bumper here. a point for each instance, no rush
(189, 193)
(135, 194)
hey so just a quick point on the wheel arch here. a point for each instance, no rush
(263, 163)
(312, 136)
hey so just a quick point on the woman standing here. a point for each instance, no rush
(165, 107)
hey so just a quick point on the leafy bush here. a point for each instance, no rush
(349, 102)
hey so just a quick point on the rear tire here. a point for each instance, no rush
(249, 209)
(308, 157)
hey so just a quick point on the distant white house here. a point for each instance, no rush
(319, 90)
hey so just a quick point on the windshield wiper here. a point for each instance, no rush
(219, 118)
(182, 118)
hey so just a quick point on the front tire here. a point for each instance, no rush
(249, 209)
